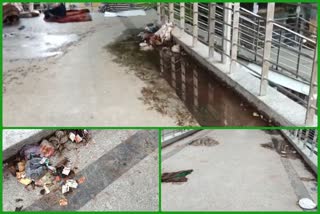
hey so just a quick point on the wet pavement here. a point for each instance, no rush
(59, 58)
(84, 86)
(37, 45)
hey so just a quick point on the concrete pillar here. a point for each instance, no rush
(267, 50)
(227, 17)
(195, 24)
(313, 92)
(182, 17)
(171, 12)
(235, 34)
(212, 26)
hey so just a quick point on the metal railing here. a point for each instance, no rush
(250, 38)
(169, 134)
(305, 142)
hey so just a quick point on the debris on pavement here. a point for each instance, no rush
(175, 49)
(21, 27)
(10, 13)
(152, 36)
(307, 204)
(39, 165)
(66, 170)
(81, 180)
(63, 202)
(18, 208)
(81, 15)
(172, 177)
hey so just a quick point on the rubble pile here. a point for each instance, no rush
(153, 36)
(43, 165)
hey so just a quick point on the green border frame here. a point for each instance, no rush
(155, 127)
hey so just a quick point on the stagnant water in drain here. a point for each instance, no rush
(211, 102)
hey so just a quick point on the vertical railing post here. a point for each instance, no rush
(171, 12)
(297, 27)
(195, 24)
(267, 50)
(305, 140)
(312, 99)
(182, 18)
(278, 54)
(298, 60)
(257, 41)
(159, 13)
(212, 26)
(227, 16)
(235, 34)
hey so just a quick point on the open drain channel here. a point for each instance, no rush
(210, 102)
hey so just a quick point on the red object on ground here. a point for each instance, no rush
(10, 13)
(73, 16)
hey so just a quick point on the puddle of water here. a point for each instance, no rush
(36, 45)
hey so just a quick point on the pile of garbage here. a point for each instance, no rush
(34, 165)
(12, 12)
(153, 36)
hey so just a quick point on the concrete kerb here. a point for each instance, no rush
(175, 139)
(14, 140)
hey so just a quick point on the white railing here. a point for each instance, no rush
(305, 142)
(239, 34)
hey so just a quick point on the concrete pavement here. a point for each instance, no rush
(80, 84)
(121, 170)
(238, 174)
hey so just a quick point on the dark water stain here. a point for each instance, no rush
(205, 141)
(210, 101)
(126, 48)
(271, 131)
(282, 147)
